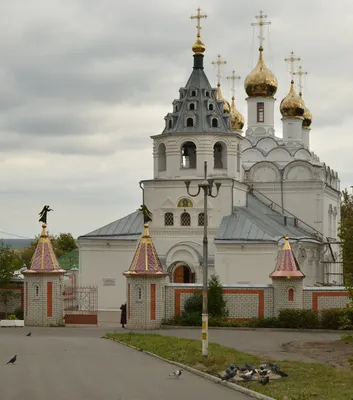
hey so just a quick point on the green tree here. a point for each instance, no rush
(9, 263)
(217, 306)
(345, 235)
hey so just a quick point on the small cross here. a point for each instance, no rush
(261, 22)
(219, 62)
(300, 74)
(292, 60)
(198, 17)
(233, 77)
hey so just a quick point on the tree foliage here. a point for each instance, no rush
(62, 244)
(9, 263)
(346, 237)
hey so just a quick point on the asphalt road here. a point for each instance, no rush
(75, 364)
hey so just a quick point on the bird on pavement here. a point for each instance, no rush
(264, 380)
(229, 375)
(29, 334)
(242, 369)
(177, 373)
(248, 367)
(274, 367)
(13, 360)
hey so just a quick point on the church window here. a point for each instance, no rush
(210, 107)
(192, 106)
(291, 295)
(260, 112)
(36, 290)
(170, 124)
(176, 108)
(207, 94)
(168, 219)
(190, 122)
(193, 93)
(139, 293)
(162, 157)
(201, 219)
(214, 123)
(185, 203)
(185, 219)
(219, 155)
(188, 155)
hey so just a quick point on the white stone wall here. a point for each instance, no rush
(138, 313)
(102, 263)
(281, 288)
(325, 297)
(37, 304)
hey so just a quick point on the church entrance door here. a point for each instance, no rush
(182, 274)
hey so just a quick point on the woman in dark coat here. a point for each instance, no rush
(123, 315)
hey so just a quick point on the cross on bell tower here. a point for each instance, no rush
(233, 77)
(261, 23)
(219, 62)
(198, 47)
(300, 74)
(291, 59)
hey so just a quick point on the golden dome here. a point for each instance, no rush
(308, 118)
(226, 106)
(261, 82)
(292, 106)
(198, 47)
(236, 120)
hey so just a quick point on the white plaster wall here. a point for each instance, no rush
(268, 112)
(292, 129)
(101, 259)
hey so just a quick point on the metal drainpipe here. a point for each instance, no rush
(282, 197)
(232, 196)
(143, 193)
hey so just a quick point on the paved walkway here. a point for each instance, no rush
(74, 363)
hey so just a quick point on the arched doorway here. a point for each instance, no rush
(182, 274)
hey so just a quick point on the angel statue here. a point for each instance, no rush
(147, 215)
(43, 214)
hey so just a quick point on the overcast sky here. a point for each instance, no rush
(85, 83)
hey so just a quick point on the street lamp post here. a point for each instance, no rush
(207, 186)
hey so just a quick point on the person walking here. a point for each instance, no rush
(123, 315)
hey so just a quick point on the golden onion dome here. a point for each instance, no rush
(292, 106)
(308, 118)
(198, 47)
(261, 82)
(236, 119)
(226, 105)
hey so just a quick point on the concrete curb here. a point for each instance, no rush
(233, 328)
(204, 375)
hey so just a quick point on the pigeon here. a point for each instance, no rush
(281, 373)
(247, 377)
(263, 366)
(29, 334)
(232, 374)
(264, 380)
(263, 372)
(273, 367)
(177, 373)
(13, 360)
(233, 366)
(248, 367)
(242, 369)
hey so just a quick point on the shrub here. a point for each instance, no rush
(298, 319)
(193, 304)
(262, 322)
(217, 306)
(191, 319)
(19, 313)
(330, 318)
(346, 319)
(12, 317)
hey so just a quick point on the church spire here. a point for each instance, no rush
(307, 114)
(219, 63)
(198, 47)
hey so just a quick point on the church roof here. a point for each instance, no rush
(198, 91)
(44, 258)
(257, 222)
(128, 227)
(287, 266)
(146, 260)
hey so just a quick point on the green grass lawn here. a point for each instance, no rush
(305, 381)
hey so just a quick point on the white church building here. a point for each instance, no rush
(272, 186)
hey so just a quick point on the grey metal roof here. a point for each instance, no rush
(130, 226)
(198, 81)
(257, 222)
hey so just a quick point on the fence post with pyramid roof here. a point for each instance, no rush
(43, 297)
(145, 286)
(287, 281)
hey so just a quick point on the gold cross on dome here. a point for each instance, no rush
(261, 23)
(233, 77)
(198, 16)
(291, 59)
(300, 74)
(219, 62)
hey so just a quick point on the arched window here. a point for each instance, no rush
(170, 124)
(139, 293)
(214, 123)
(185, 219)
(291, 295)
(201, 219)
(162, 157)
(176, 108)
(207, 94)
(168, 219)
(210, 107)
(190, 122)
(219, 156)
(192, 106)
(188, 155)
(36, 290)
(193, 93)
